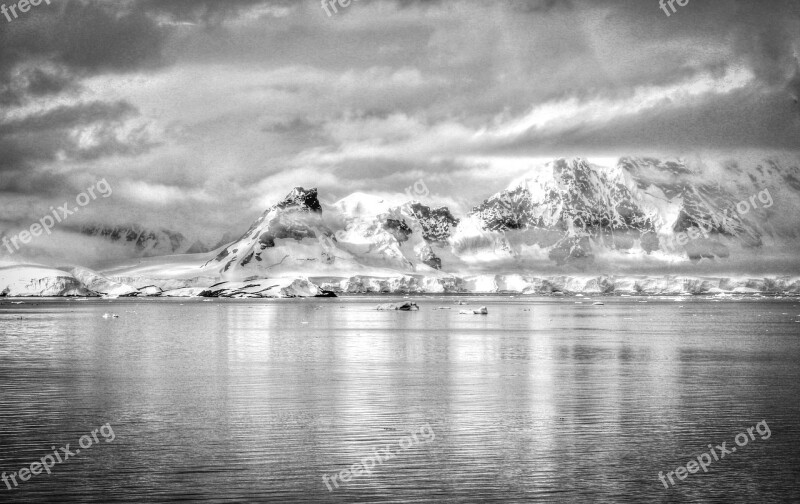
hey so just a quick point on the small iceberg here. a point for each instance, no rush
(481, 311)
(407, 306)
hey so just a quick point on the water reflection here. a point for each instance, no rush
(254, 401)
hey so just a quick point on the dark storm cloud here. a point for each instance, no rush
(96, 38)
(48, 136)
(80, 38)
(47, 54)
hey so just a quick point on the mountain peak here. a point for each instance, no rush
(302, 199)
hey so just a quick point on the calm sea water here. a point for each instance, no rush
(254, 401)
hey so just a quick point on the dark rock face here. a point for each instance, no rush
(284, 230)
(247, 259)
(435, 222)
(428, 257)
(434, 262)
(267, 240)
(222, 255)
(253, 287)
(507, 210)
(301, 199)
(398, 228)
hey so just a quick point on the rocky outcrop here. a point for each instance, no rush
(407, 306)
(435, 222)
(265, 288)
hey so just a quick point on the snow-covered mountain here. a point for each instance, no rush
(570, 208)
(362, 235)
(141, 241)
(290, 237)
(574, 211)
(640, 225)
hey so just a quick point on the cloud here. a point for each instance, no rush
(216, 108)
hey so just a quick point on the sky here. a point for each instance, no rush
(200, 114)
